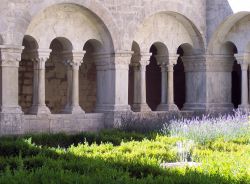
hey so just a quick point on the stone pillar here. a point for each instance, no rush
(115, 71)
(38, 106)
(102, 62)
(10, 111)
(73, 63)
(208, 82)
(167, 80)
(243, 60)
(10, 56)
(139, 101)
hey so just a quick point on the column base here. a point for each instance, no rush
(244, 107)
(223, 107)
(73, 110)
(140, 108)
(39, 109)
(11, 110)
(167, 107)
(112, 108)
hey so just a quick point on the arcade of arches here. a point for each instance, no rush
(76, 75)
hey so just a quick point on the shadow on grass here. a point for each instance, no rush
(23, 162)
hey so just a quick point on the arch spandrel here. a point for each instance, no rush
(71, 21)
(170, 28)
(222, 34)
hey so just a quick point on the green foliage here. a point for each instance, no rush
(118, 157)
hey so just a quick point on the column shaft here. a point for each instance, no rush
(244, 86)
(167, 83)
(73, 63)
(170, 84)
(164, 83)
(139, 101)
(38, 106)
(75, 86)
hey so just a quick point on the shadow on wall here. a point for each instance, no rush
(1, 40)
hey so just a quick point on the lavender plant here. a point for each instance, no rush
(208, 128)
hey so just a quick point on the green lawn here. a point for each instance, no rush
(116, 157)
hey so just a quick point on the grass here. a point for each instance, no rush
(117, 157)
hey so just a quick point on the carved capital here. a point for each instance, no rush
(39, 62)
(10, 56)
(170, 59)
(173, 58)
(161, 59)
(121, 57)
(243, 59)
(145, 58)
(73, 59)
(40, 57)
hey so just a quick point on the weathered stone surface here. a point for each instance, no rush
(75, 55)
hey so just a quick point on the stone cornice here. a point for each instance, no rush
(208, 63)
(170, 59)
(121, 57)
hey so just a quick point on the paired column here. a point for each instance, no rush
(167, 83)
(9, 61)
(243, 61)
(139, 101)
(73, 63)
(38, 106)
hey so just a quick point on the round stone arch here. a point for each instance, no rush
(172, 29)
(90, 85)
(222, 34)
(78, 22)
(26, 75)
(176, 7)
(57, 81)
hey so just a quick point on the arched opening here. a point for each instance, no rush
(88, 77)
(236, 84)
(26, 73)
(179, 81)
(230, 49)
(134, 65)
(153, 80)
(180, 76)
(56, 74)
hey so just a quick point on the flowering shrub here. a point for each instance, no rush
(207, 128)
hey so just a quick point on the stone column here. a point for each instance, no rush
(73, 64)
(139, 101)
(102, 62)
(9, 61)
(243, 60)
(38, 106)
(167, 83)
(115, 95)
(10, 112)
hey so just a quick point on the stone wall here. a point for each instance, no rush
(87, 85)
(56, 85)
(62, 123)
(25, 84)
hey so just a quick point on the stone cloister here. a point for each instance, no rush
(70, 66)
